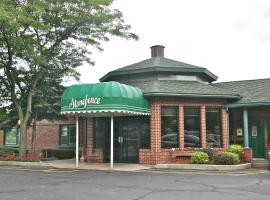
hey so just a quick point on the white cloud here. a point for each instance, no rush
(231, 38)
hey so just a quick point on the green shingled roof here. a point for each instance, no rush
(161, 64)
(253, 92)
(183, 88)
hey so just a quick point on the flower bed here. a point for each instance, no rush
(216, 156)
(31, 157)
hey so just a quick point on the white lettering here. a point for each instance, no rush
(74, 103)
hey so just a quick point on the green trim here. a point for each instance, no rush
(210, 75)
(193, 95)
(239, 105)
(245, 125)
(105, 97)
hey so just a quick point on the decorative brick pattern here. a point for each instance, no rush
(224, 123)
(181, 127)
(203, 127)
(155, 129)
(156, 154)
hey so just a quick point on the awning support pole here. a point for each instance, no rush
(77, 141)
(111, 158)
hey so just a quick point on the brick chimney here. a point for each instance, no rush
(157, 51)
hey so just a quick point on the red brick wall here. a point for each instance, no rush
(92, 155)
(156, 154)
(225, 131)
(203, 127)
(47, 134)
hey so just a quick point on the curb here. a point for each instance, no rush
(25, 164)
(34, 165)
(204, 167)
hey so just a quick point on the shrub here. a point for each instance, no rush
(58, 153)
(199, 157)
(237, 149)
(226, 158)
(210, 152)
(8, 151)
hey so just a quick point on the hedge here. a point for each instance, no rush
(199, 157)
(226, 158)
(237, 149)
(58, 153)
(8, 151)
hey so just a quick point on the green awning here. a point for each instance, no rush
(104, 99)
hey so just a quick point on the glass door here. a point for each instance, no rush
(130, 133)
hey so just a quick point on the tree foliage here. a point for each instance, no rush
(39, 38)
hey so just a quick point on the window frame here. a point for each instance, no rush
(95, 146)
(200, 124)
(17, 137)
(220, 124)
(68, 145)
(178, 129)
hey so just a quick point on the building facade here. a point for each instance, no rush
(49, 135)
(187, 112)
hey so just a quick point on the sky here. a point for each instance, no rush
(231, 38)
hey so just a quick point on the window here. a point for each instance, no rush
(67, 135)
(192, 127)
(169, 126)
(101, 128)
(213, 128)
(144, 132)
(11, 137)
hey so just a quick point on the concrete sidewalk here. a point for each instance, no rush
(70, 164)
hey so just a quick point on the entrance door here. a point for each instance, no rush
(256, 135)
(130, 133)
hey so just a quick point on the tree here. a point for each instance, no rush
(47, 103)
(43, 37)
(2, 115)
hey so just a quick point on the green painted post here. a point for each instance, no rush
(245, 122)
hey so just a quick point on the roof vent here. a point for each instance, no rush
(157, 51)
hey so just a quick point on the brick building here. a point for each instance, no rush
(162, 111)
(187, 111)
(49, 135)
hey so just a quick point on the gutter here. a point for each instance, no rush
(211, 76)
(237, 97)
(239, 105)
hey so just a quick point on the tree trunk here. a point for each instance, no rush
(34, 133)
(23, 138)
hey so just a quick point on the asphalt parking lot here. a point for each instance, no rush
(41, 184)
